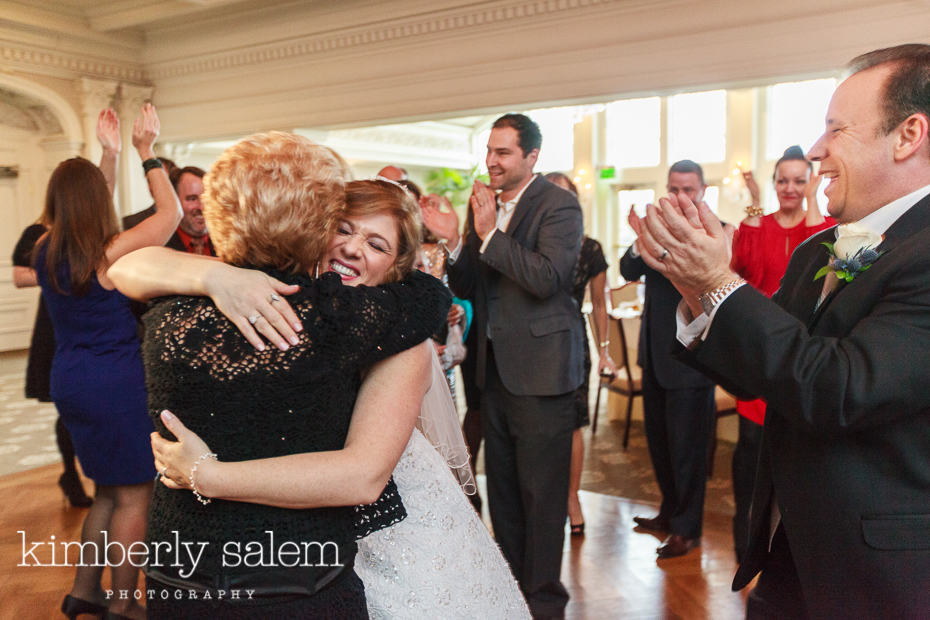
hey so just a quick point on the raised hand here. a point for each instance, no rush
(108, 131)
(483, 204)
(813, 216)
(440, 218)
(145, 131)
(750, 180)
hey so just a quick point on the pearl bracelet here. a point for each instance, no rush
(203, 457)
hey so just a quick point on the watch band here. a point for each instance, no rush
(710, 299)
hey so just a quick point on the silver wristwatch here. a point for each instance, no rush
(710, 299)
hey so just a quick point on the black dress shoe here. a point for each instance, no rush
(676, 545)
(656, 524)
(74, 607)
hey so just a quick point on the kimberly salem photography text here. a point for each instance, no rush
(183, 556)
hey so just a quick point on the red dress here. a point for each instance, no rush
(760, 256)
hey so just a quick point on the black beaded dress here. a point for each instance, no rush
(590, 263)
(248, 404)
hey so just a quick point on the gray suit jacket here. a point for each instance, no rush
(521, 287)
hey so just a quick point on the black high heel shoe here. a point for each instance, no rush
(71, 486)
(74, 607)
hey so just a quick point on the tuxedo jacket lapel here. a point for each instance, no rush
(914, 219)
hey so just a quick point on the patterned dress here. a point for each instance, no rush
(591, 262)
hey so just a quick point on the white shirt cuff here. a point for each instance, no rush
(456, 251)
(691, 330)
(487, 240)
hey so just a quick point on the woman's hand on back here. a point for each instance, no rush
(253, 301)
(174, 460)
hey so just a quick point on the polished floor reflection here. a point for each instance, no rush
(612, 572)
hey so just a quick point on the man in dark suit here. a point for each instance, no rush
(516, 264)
(841, 509)
(192, 235)
(678, 401)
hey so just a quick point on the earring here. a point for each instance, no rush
(316, 270)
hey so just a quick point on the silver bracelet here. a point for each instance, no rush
(203, 457)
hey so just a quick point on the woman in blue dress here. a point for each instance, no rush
(97, 379)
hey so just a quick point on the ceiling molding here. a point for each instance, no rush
(484, 18)
(68, 65)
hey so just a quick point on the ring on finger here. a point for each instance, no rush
(273, 298)
(253, 319)
(663, 254)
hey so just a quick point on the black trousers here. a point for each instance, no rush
(528, 446)
(745, 464)
(678, 427)
(777, 595)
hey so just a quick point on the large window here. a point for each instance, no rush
(634, 133)
(796, 112)
(632, 198)
(697, 126)
(557, 126)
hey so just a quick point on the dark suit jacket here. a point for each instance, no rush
(657, 339)
(521, 286)
(129, 221)
(846, 442)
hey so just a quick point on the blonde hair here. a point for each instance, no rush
(271, 200)
(382, 196)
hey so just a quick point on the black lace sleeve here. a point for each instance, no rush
(383, 320)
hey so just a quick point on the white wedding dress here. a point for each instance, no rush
(440, 562)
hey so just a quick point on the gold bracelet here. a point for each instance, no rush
(754, 211)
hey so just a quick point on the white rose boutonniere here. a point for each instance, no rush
(853, 252)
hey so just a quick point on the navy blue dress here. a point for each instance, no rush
(97, 379)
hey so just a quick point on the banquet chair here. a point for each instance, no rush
(623, 334)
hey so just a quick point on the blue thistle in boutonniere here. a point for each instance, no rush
(853, 252)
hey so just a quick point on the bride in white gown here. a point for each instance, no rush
(439, 562)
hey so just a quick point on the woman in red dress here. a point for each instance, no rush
(761, 249)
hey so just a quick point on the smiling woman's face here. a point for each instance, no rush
(363, 250)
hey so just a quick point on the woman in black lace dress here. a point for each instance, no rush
(261, 198)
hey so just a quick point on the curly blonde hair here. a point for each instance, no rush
(271, 200)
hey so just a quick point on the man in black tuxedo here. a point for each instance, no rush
(516, 264)
(131, 220)
(678, 401)
(841, 509)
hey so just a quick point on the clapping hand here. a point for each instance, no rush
(687, 244)
(108, 131)
(483, 203)
(440, 219)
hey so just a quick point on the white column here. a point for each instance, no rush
(95, 96)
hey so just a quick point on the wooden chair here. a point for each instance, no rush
(625, 292)
(624, 336)
(726, 405)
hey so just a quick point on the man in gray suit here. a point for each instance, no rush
(516, 264)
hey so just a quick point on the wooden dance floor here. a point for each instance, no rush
(612, 572)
